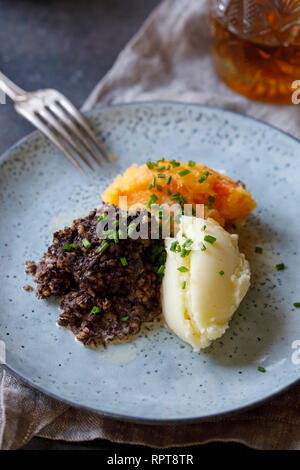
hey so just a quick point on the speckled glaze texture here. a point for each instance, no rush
(156, 377)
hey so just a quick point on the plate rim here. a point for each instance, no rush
(4, 155)
(130, 418)
(151, 421)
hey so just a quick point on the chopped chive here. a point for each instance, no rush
(169, 192)
(184, 172)
(150, 165)
(174, 163)
(221, 272)
(192, 163)
(158, 187)
(174, 246)
(104, 245)
(123, 261)
(86, 243)
(258, 249)
(69, 246)
(116, 223)
(160, 168)
(182, 269)
(203, 228)
(280, 266)
(162, 175)
(210, 239)
(183, 285)
(297, 304)
(160, 270)
(203, 176)
(152, 185)
(107, 233)
(152, 200)
(261, 369)
(202, 247)
(169, 179)
(124, 319)
(211, 200)
(102, 217)
(131, 228)
(187, 242)
(114, 236)
(185, 252)
(95, 310)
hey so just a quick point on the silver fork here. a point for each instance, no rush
(54, 115)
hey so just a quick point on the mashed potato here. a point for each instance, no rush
(206, 278)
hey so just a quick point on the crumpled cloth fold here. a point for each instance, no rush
(25, 413)
(168, 59)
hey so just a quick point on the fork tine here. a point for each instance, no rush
(65, 103)
(60, 112)
(50, 119)
(37, 122)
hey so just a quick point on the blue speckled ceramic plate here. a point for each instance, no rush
(157, 377)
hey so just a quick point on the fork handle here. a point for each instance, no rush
(12, 90)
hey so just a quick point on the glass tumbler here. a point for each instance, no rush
(256, 46)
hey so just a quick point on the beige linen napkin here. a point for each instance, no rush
(168, 59)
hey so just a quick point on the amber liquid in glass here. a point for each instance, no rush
(260, 72)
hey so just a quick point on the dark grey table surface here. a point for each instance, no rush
(64, 44)
(68, 45)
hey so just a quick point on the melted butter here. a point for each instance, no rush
(120, 353)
